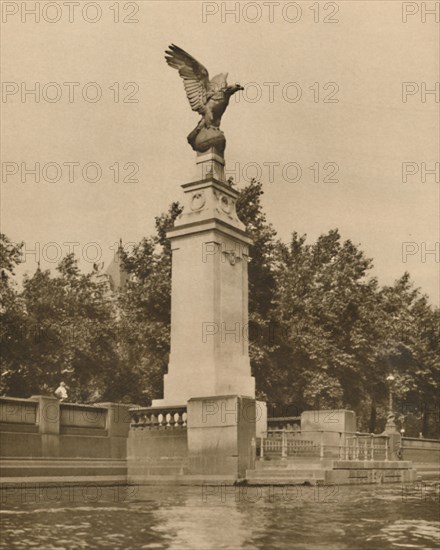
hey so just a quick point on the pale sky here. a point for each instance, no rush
(368, 134)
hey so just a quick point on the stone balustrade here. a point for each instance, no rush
(420, 449)
(366, 447)
(14, 410)
(350, 446)
(44, 427)
(158, 417)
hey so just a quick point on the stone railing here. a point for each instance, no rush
(14, 410)
(73, 415)
(41, 410)
(158, 417)
(42, 426)
(309, 444)
(284, 422)
(420, 449)
(366, 447)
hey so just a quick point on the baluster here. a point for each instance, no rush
(135, 420)
(176, 420)
(284, 444)
(145, 420)
(142, 420)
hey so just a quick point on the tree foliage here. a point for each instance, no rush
(323, 332)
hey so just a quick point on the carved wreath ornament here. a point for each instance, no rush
(198, 201)
(225, 205)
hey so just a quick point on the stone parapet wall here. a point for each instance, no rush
(421, 450)
(43, 427)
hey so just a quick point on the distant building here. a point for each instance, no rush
(115, 273)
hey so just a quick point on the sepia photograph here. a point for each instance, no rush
(220, 275)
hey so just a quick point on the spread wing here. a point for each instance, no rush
(195, 76)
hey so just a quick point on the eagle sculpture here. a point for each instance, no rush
(207, 97)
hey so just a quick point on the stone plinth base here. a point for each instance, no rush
(210, 165)
(157, 444)
(221, 435)
(332, 473)
(326, 426)
(358, 472)
(261, 420)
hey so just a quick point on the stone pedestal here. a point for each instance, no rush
(209, 301)
(261, 420)
(117, 426)
(48, 421)
(209, 369)
(329, 427)
(394, 438)
(221, 436)
(210, 165)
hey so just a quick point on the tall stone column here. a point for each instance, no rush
(209, 299)
(209, 368)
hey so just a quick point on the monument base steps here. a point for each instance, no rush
(337, 472)
(51, 471)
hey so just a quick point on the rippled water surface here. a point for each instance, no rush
(212, 518)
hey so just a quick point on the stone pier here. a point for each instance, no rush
(209, 374)
(209, 297)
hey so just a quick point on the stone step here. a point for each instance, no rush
(428, 474)
(286, 474)
(64, 480)
(421, 466)
(157, 471)
(61, 461)
(60, 471)
(293, 465)
(159, 460)
(187, 479)
(283, 480)
(272, 466)
(39, 468)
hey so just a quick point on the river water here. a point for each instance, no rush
(212, 518)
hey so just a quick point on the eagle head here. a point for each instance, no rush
(231, 90)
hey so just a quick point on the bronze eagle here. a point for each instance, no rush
(207, 97)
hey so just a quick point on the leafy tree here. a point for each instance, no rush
(325, 302)
(145, 308)
(412, 354)
(323, 333)
(68, 335)
(263, 332)
(12, 314)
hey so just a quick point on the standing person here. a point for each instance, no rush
(61, 391)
